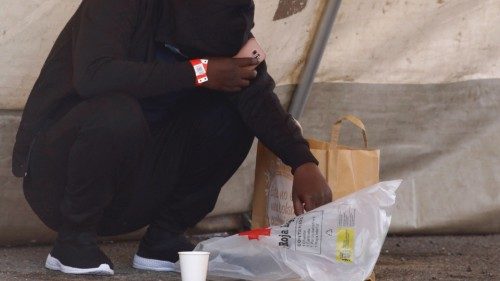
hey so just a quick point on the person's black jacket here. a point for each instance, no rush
(108, 46)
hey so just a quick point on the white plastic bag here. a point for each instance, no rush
(339, 241)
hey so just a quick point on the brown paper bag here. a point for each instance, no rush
(346, 169)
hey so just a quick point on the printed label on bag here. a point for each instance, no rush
(285, 235)
(308, 231)
(346, 235)
(347, 216)
(303, 233)
(345, 245)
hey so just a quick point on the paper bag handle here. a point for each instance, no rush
(338, 125)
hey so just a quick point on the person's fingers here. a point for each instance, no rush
(248, 74)
(298, 208)
(244, 83)
(309, 203)
(323, 198)
(328, 197)
(242, 62)
(231, 89)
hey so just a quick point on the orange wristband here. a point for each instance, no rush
(200, 67)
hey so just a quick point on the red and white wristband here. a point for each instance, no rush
(200, 67)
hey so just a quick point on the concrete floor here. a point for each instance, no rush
(403, 258)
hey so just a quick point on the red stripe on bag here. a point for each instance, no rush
(256, 233)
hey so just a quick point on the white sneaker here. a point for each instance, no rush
(154, 265)
(54, 264)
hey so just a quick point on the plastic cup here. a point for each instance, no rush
(194, 265)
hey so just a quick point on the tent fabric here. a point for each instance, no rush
(424, 75)
(413, 42)
(29, 28)
(372, 41)
(441, 139)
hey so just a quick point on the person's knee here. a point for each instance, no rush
(222, 122)
(223, 138)
(118, 115)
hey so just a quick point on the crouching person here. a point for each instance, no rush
(119, 133)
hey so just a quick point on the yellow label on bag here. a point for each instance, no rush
(345, 244)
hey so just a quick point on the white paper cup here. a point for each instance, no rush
(194, 265)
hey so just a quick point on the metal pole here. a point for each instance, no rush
(301, 94)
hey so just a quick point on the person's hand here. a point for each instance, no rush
(230, 74)
(310, 189)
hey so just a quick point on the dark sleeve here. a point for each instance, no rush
(263, 113)
(100, 48)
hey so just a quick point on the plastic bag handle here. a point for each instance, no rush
(338, 125)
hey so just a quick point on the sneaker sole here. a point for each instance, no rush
(153, 265)
(54, 264)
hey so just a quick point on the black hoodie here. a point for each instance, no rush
(207, 27)
(109, 46)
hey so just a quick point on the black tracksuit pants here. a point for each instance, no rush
(98, 164)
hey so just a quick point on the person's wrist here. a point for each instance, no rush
(200, 68)
(306, 168)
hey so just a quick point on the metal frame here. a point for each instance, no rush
(305, 84)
